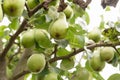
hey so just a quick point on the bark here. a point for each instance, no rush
(21, 66)
(2, 64)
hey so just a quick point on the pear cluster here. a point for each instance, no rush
(100, 56)
(33, 36)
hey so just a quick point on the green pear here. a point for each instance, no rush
(13, 8)
(51, 76)
(58, 29)
(95, 62)
(1, 12)
(32, 3)
(81, 74)
(95, 35)
(68, 12)
(107, 53)
(42, 37)
(36, 63)
(27, 39)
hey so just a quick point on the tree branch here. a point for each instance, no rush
(12, 39)
(82, 49)
(20, 75)
(41, 5)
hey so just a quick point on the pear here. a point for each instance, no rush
(1, 12)
(95, 62)
(58, 29)
(107, 53)
(82, 74)
(36, 63)
(27, 39)
(51, 76)
(94, 35)
(32, 3)
(13, 8)
(42, 37)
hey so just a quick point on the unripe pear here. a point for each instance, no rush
(32, 3)
(95, 35)
(68, 12)
(51, 76)
(81, 74)
(42, 38)
(13, 8)
(107, 53)
(96, 63)
(58, 29)
(36, 62)
(27, 39)
(1, 12)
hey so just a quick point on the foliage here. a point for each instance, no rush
(49, 30)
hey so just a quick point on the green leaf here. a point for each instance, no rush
(86, 17)
(2, 28)
(78, 11)
(40, 22)
(72, 20)
(14, 24)
(67, 64)
(62, 52)
(77, 41)
(115, 76)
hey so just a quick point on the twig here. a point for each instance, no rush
(42, 5)
(82, 49)
(27, 7)
(62, 6)
(20, 75)
(116, 50)
(12, 56)
(55, 50)
(82, 3)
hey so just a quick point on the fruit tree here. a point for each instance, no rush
(43, 39)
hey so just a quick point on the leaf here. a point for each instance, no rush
(2, 28)
(77, 41)
(40, 22)
(78, 11)
(86, 17)
(115, 76)
(63, 43)
(77, 29)
(62, 52)
(117, 26)
(67, 64)
(52, 13)
(14, 23)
